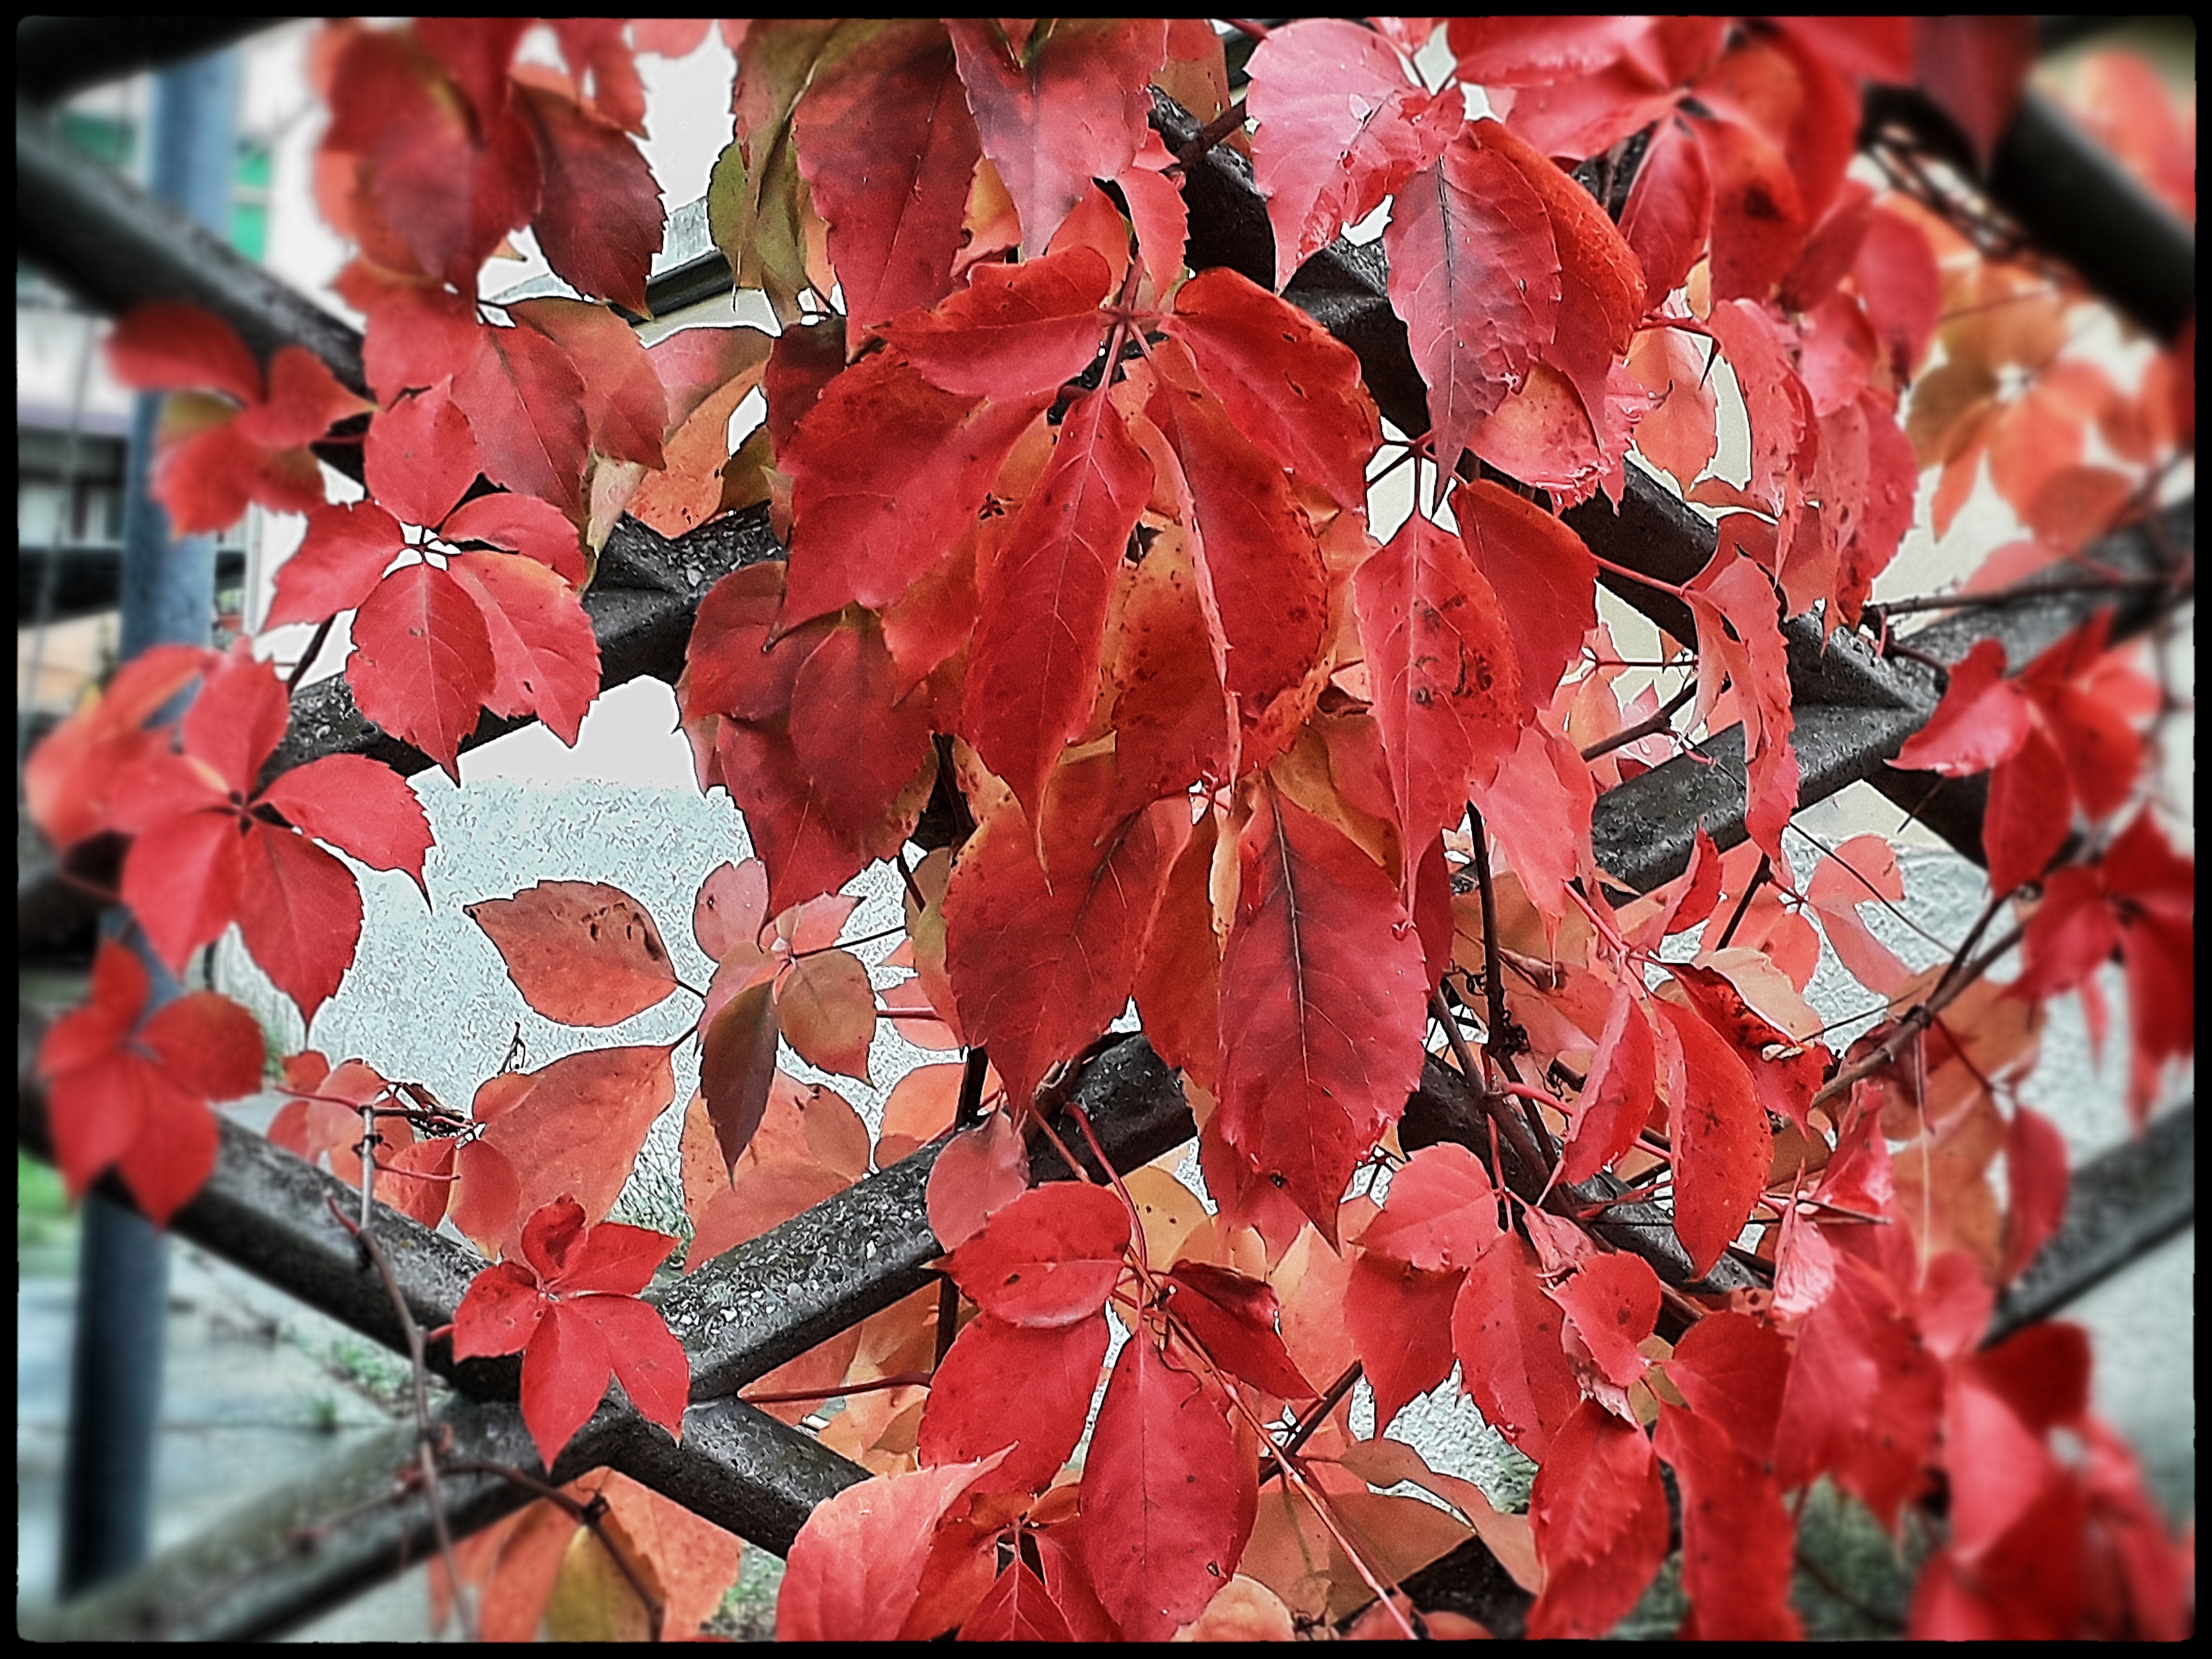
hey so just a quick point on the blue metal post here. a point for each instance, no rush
(168, 597)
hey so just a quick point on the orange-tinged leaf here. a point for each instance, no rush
(579, 952)
(1543, 577)
(1475, 272)
(1048, 1257)
(575, 1128)
(1042, 588)
(1162, 1528)
(828, 1012)
(1442, 666)
(855, 1569)
(1323, 1006)
(1040, 960)
(919, 1107)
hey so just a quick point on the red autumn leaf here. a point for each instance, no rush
(1733, 600)
(419, 459)
(1091, 74)
(1718, 1130)
(1600, 1516)
(2030, 813)
(981, 1171)
(2036, 1182)
(1234, 1318)
(1399, 1320)
(1343, 122)
(1975, 68)
(1739, 1540)
(887, 474)
(625, 405)
(857, 737)
(1982, 719)
(598, 218)
(1162, 1527)
(571, 1306)
(299, 911)
(856, 1570)
(1288, 384)
(1475, 272)
(1733, 1370)
(1862, 1397)
(888, 148)
(1015, 330)
(1024, 1388)
(1441, 1210)
(1758, 218)
(1254, 544)
(1042, 961)
(1614, 1301)
(1443, 664)
(736, 1067)
(525, 403)
(338, 564)
(138, 1100)
(1670, 207)
(1018, 1607)
(1506, 1332)
(1178, 988)
(828, 1012)
(1323, 1006)
(545, 656)
(1784, 1074)
(1544, 577)
(579, 952)
(1616, 1091)
(1047, 1258)
(217, 453)
(1042, 588)
(1172, 723)
(423, 665)
(85, 777)
(570, 1129)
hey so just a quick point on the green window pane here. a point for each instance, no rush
(249, 229)
(104, 137)
(253, 164)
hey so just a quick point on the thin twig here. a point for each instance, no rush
(1916, 1022)
(800, 1396)
(1491, 1102)
(1650, 726)
(1308, 1423)
(591, 1514)
(1743, 904)
(1230, 120)
(307, 657)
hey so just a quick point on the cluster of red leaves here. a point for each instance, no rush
(210, 845)
(1083, 543)
(571, 1305)
(129, 1091)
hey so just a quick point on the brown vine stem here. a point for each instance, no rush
(426, 1450)
(1491, 1102)
(1211, 133)
(307, 657)
(801, 1396)
(1915, 1023)
(1743, 904)
(1650, 726)
(1304, 1427)
(1493, 985)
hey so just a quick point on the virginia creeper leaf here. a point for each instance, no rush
(1047, 1258)
(580, 952)
(423, 665)
(1024, 1388)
